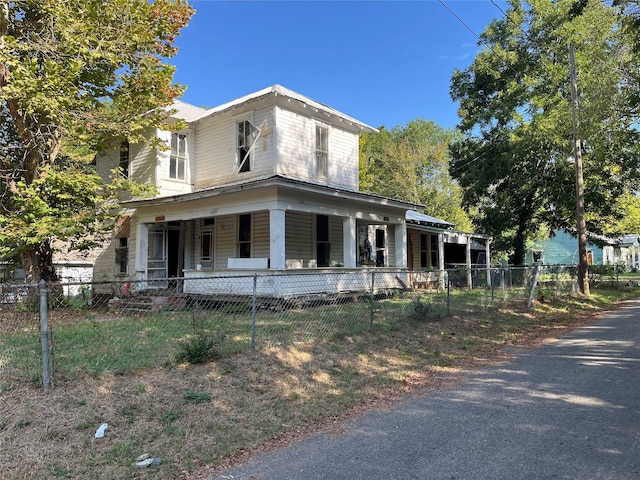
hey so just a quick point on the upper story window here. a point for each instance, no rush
(178, 159)
(322, 150)
(124, 159)
(245, 131)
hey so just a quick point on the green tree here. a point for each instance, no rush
(74, 73)
(411, 163)
(515, 161)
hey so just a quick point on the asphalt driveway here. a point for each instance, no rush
(567, 410)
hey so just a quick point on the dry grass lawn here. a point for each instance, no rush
(199, 418)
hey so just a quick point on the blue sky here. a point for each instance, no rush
(382, 62)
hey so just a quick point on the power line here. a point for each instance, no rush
(459, 19)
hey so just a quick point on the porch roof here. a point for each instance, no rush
(278, 181)
(435, 225)
(427, 220)
(629, 240)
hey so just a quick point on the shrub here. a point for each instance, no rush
(199, 348)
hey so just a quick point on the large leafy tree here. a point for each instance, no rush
(411, 163)
(74, 73)
(515, 161)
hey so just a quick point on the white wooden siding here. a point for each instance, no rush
(142, 164)
(343, 158)
(295, 145)
(216, 154)
(226, 240)
(298, 238)
(390, 244)
(296, 151)
(260, 247)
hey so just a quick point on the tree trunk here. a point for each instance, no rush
(38, 264)
(519, 249)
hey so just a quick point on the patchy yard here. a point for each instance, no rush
(197, 418)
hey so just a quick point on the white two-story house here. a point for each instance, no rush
(265, 183)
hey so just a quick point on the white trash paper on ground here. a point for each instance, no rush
(101, 429)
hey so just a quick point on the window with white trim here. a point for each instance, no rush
(322, 150)
(244, 140)
(122, 256)
(124, 158)
(178, 158)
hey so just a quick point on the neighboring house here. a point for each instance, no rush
(562, 249)
(268, 182)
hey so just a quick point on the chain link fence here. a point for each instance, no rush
(127, 326)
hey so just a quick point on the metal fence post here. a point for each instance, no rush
(373, 281)
(492, 285)
(253, 312)
(44, 336)
(448, 294)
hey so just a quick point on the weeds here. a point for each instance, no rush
(422, 310)
(196, 397)
(199, 348)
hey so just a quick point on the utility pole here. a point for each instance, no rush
(583, 277)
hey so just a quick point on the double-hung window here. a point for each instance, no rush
(124, 159)
(322, 150)
(244, 136)
(122, 256)
(178, 159)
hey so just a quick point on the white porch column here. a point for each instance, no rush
(468, 260)
(441, 260)
(141, 249)
(401, 244)
(277, 239)
(349, 242)
(487, 256)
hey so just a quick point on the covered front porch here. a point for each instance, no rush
(277, 225)
(434, 247)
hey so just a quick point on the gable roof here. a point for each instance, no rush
(279, 90)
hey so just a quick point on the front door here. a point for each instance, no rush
(157, 253)
(163, 260)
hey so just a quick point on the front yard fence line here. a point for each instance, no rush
(59, 332)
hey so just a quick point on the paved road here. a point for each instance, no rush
(568, 410)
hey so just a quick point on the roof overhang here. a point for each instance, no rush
(280, 182)
(290, 95)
